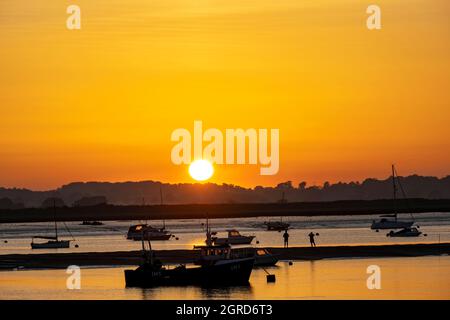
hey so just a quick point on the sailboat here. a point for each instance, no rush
(276, 225)
(144, 231)
(385, 222)
(53, 242)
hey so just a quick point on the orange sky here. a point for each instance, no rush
(100, 103)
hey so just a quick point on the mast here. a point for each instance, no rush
(161, 203)
(54, 216)
(148, 256)
(208, 234)
(395, 192)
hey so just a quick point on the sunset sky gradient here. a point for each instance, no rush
(100, 103)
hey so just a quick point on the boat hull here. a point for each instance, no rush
(51, 245)
(159, 237)
(277, 226)
(222, 273)
(233, 240)
(391, 225)
(404, 234)
(266, 260)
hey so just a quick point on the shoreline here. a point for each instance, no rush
(108, 212)
(131, 258)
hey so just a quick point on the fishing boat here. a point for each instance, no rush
(406, 232)
(234, 237)
(390, 221)
(136, 232)
(262, 256)
(223, 270)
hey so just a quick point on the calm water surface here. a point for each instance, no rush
(333, 230)
(401, 278)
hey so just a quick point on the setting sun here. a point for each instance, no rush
(201, 170)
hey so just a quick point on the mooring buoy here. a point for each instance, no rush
(270, 278)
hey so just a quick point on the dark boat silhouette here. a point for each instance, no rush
(406, 232)
(210, 271)
(140, 232)
(91, 223)
(276, 225)
(386, 223)
(234, 237)
(53, 242)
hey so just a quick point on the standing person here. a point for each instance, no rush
(286, 238)
(311, 239)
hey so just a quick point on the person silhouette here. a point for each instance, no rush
(286, 238)
(311, 239)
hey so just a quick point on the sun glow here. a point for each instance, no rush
(201, 170)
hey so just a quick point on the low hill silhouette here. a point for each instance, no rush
(148, 192)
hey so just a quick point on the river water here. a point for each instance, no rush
(333, 230)
(401, 278)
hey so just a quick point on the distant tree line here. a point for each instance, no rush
(149, 192)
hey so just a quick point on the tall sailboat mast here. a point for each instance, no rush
(54, 216)
(161, 203)
(395, 192)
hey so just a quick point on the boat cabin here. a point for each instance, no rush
(233, 233)
(214, 252)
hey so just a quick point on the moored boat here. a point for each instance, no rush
(146, 232)
(91, 223)
(53, 243)
(223, 272)
(276, 225)
(234, 237)
(385, 222)
(406, 232)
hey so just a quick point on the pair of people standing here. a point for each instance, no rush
(311, 236)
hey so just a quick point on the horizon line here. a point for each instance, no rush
(222, 183)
